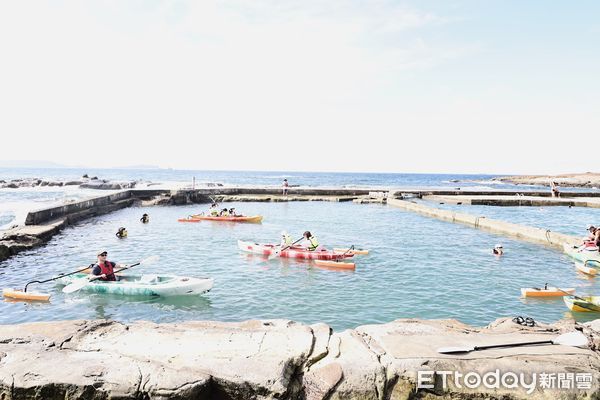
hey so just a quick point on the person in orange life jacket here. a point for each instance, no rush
(104, 268)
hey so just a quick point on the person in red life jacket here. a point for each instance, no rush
(104, 268)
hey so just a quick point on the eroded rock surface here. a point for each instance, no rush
(280, 359)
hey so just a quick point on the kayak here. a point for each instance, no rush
(583, 255)
(335, 264)
(583, 304)
(352, 251)
(589, 267)
(21, 295)
(548, 292)
(145, 285)
(198, 218)
(292, 252)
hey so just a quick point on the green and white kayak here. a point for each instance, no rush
(581, 255)
(145, 285)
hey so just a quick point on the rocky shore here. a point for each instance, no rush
(281, 359)
(588, 179)
(85, 183)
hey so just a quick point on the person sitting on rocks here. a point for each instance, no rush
(121, 233)
(104, 268)
(498, 250)
(145, 218)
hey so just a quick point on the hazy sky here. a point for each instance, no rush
(337, 85)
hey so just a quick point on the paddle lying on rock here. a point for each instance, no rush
(573, 339)
(277, 253)
(81, 283)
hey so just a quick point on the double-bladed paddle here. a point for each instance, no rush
(82, 282)
(277, 253)
(573, 339)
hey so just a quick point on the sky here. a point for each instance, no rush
(482, 86)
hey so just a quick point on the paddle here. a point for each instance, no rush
(80, 283)
(573, 339)
(55, 278)
(276, 253)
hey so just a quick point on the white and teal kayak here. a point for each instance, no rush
(581, 255)
(145, 285)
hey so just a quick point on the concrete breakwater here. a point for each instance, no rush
(42, 224)
(282, 359)
(537, 235)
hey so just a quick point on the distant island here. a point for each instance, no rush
(587, 179)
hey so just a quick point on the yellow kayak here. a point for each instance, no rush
(351, 251)
(583, 304)
(589, 267)
(21, 295)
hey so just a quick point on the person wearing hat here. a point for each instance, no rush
(104, 268)
(145, 218)
(498, 250)
(286, 240)
(121, 233)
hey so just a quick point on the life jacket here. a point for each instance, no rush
(214, 212)
(107, 269)
(314, 243)
(287, 240)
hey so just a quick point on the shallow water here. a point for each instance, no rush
(418, 267)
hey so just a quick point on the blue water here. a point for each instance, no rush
(418, 267)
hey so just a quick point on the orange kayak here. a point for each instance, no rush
(549, 292)
(335, 264)
(198, 218)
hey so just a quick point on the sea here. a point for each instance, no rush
(417, 267)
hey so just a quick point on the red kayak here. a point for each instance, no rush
(244, 218)
(292, 252)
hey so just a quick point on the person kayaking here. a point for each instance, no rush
(233, 213)
(145, 218)
(310, 242)
(592, 241)
(121, 233)
(498, 250)
(286, 239)
(104, 268)
(224, 213)
(213, 211)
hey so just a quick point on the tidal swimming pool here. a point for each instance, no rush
(418, 267)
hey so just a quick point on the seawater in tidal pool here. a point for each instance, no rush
(418, 267)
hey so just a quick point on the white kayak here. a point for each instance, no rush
(145, 285)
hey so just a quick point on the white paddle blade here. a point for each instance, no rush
(454, 350)
(75, 285)
(275, 254)
(150, 260)
(573, 339)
